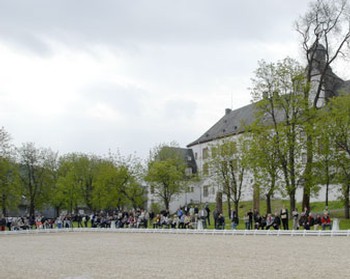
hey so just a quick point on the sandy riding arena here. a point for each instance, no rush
(87, 255)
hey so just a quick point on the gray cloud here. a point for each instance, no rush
(165, 70)
(121, 23)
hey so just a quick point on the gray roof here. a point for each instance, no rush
(233, 122)
(186, 154)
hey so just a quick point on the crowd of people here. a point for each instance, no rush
(280, 220)
(187, 217)
(115, 219)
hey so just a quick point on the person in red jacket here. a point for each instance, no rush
(326, 221)
(2, 223)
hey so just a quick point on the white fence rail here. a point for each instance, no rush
(292, 233)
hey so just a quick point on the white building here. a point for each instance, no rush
(231, 126)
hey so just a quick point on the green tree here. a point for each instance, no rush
(325, 156)
(278, 93)
(77, 174)
(336, 122)
(325, 35)
(166, 172)
(10, 194)
(37, 167)
(118, 183)
(228, 166)
(263, 160)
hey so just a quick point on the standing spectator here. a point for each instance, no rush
(284, 217)
(216, 214)
(250, 214)
(208, 213)
(179, 212)
(186, 209)
(203, 217)
(59, 222)
(79, 219)
(191, 210)
(246, 221)
(295, 216)
(2, 223)
(87, 218)
(9, 223)
(234, 219)
(196, 209)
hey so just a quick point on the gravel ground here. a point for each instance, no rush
(121, 255)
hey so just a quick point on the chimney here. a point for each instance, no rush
(227, 111)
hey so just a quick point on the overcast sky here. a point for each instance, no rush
(92, 76)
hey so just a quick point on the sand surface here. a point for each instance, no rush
(123, 255)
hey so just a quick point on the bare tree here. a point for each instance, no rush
(325, 36)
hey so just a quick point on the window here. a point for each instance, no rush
(205, 153)
(205, 191)
(189, 189)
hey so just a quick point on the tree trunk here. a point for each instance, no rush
(308, 171)
(166, 203)
(256, 197)
(229, 208)
(31, 209)
(218, 201)
(57, 211)
(236, 207)
(346, 201)
(327, 190)
(268, 203)
(306, 199)
(228, 201)
(292, 203)
(4, 209)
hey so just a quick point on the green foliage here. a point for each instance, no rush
(37, 169)
(98, 183)
(228, 166)
(334, 130)
(9, 180)
(276, 142)
(118, 184)
(166, 172)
